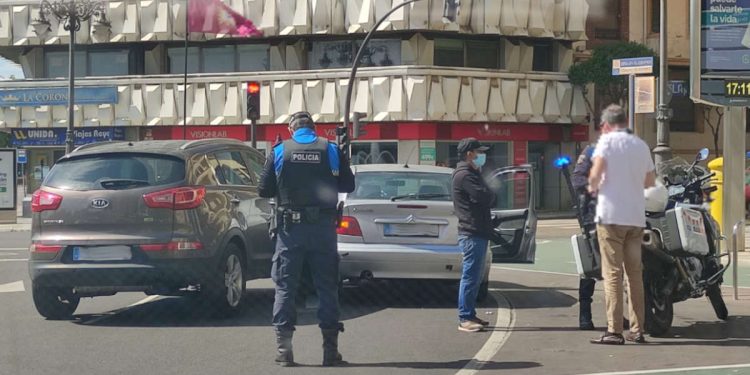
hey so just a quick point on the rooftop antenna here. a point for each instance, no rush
(406, 163)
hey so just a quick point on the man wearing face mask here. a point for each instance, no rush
(472, 202)
(305, 174)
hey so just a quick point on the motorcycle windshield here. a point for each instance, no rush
(676, 171)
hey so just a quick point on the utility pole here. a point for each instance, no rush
(663, 152)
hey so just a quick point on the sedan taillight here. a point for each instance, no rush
(181, 198)
(349, 226)
(45, 201)
(41, 248)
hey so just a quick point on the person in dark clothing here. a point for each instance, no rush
(472, 202)
(587, 211)
(305, 174)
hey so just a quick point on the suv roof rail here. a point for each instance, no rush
(198, 142)
(94, 144)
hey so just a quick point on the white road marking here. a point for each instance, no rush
(506, 320)
(109, 314)
(12, 287)
(543, 242)
(667, 370)
(534, 271)
(7, 254)
(13, 248)
(14, 260)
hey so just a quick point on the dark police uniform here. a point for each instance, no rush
(305, 175)
(587, 212)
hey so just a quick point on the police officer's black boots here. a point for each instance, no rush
(284, 355)
(584, 316)
(331, 355)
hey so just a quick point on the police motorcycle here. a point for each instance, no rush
(681, 258)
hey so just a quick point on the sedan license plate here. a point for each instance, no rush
(411, 230)
(101, 253)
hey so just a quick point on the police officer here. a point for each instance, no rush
(586, 211)
(305, 175)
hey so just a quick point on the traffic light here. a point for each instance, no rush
(253, 100)
(357, 130)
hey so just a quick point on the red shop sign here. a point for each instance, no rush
(507, 132)
(196, 132)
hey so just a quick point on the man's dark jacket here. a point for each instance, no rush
(472, 201)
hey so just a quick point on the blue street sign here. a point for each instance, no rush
(56, 136)
(21, 156)
(634, 65)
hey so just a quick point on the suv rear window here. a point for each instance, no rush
(115, 172)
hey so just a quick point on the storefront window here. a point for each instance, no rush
(497, 155)
(109, 63)
(375, 153)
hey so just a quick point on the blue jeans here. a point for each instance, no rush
(474, 249)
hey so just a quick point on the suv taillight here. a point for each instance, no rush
(181, 198)
(45, 201)
(349, 226)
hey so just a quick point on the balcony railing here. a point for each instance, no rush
(402, 93)
(151, 20)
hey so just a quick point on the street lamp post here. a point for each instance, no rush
(71, 14)
(663, 152)
(355, 65)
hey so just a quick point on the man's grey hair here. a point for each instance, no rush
(615, 116)
(301, 120)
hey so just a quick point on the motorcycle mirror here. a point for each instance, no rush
(702, 154)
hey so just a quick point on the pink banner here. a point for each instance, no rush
(213, 16)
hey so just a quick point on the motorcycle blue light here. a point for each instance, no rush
(562, 162)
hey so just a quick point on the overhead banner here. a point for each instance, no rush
(56, 136)
(57, 96)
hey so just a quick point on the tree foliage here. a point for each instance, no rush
(598, 69)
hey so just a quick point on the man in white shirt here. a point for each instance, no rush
(622, 169)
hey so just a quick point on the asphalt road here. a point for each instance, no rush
(395, 329)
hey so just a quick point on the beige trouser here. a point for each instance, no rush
(622, 244)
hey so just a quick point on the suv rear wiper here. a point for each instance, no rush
(419, 196)
(114, 184)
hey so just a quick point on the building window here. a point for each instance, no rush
(341, 53)
(449, 52)
(219, 59)
(252, 57)
(56, 64)
(483, 54)
(543, 57)
(374, 153)
(655, 16)
(604, 19)
(109, 63)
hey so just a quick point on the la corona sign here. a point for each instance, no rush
(57, 96)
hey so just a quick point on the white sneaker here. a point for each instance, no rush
(469, 326)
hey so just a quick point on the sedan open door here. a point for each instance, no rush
(514, 239)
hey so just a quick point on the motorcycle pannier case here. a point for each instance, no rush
(586, 254)
(684, 232)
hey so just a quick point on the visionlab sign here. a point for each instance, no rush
(57, 96)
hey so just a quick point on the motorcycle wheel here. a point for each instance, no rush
(659, 312)
(717, 301)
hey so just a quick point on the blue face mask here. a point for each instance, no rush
(480, 159)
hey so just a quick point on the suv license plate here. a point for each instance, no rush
(101, 253)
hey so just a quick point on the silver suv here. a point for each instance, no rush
(162, 217)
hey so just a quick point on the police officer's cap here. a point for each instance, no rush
(301, 119)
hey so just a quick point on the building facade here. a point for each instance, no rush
(498, 73)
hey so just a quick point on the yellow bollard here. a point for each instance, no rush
(717, 166)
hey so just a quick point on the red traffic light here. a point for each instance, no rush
(253, 87)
